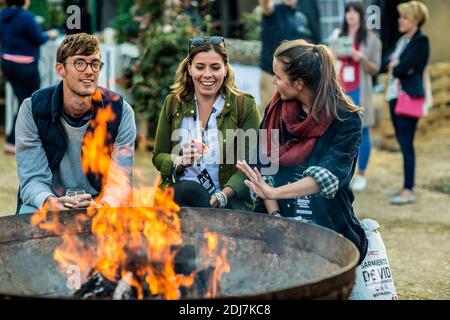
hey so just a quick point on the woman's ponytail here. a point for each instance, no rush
(330, 94)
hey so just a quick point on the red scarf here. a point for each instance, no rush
(283, 115)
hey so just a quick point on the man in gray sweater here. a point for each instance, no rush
(52, 125)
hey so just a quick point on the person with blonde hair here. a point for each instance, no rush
(319, 131)
(191, 149)
(406, 64)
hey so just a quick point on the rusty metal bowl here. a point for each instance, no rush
(270, 258)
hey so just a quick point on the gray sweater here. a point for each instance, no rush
(37, 182)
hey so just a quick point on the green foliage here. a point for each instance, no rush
(251, 23)
(123, 6)
(127, 28)
(163, 41)
(163, 48)
(161, 29)
(41, 9)
(57, 16)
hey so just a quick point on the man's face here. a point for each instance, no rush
(80, 82)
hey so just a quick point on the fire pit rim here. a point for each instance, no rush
(341, 271)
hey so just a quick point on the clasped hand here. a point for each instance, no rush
(67, 203)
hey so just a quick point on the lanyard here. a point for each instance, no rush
(200, 132)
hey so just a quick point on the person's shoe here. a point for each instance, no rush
(393, 193)
(401, 199)
(9, 148)
(359, 183)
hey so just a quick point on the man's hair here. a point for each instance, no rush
(77, 44)
(19, 3)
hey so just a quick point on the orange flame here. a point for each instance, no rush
(220, 262)
(136, 238)
(95, 153)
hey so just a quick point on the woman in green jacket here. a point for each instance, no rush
(197, 143)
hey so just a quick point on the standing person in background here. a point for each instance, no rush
(20, 38)
(406, 64)
(280, 22)
(355, 75)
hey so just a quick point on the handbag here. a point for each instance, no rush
(408, 106)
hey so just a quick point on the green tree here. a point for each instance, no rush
(127, 26)
(163, 44)
(41, 9)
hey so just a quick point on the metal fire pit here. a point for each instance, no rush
(270, 258)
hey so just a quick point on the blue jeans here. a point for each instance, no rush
(405, 129)
(364, 150)
(365, 147)
(25, 80)
(355, 95)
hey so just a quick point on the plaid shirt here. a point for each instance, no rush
(328, 182)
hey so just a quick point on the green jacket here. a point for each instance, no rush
(170, 120)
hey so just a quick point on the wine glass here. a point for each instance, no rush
(75, 193)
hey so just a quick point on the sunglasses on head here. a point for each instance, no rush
(211, 40)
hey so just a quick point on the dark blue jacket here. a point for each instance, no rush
(47, 110)
(284, 23)
(19, 33)
(413, 61)
(336, 151)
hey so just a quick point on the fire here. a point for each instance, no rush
(95, 152)
(133, 242)
(220, 262)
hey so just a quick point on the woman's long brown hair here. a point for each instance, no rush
(315, 66)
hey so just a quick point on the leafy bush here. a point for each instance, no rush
(161, 29)
(41, 9)
(163, 41)
(251, 25)
(163, 49)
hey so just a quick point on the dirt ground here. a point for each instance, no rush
(417, 236)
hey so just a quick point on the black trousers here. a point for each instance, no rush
(25, 80)
(191, 194)
(405, 130)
